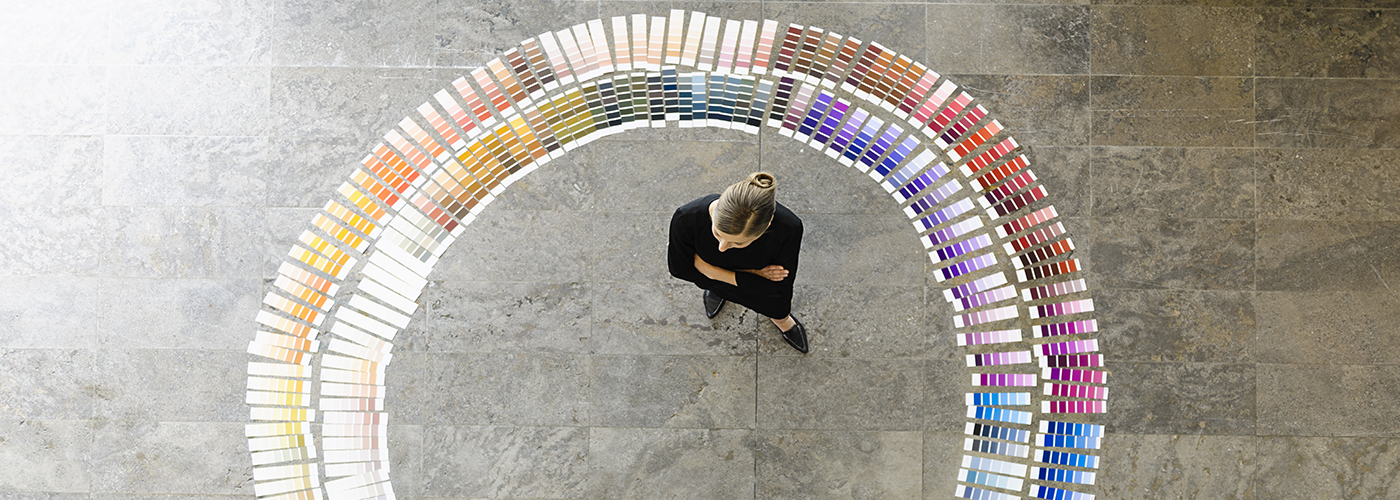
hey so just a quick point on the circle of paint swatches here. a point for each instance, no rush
(954, 171)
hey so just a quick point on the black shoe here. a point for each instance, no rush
(797, 336)
(713, 303)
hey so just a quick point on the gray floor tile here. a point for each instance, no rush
(514, 389)
(631, 247)
(872, 22)
(670, 463)
(59, 448)
(1194, 398)
(1215, 254)
(1173, 111)
(170, 458)
(193, 100)
(1168, 40)
(505, 462)
(484, 316)
(840, 247)
(57, 99)
(50, 240)
(799, 169)
(43, 495)
(1326, 328)
(1304, 467)
(48, 312)
(1037, 39)
(470, 33)
(191, 385)
(1327, 43)
(669, 318)
(944, 402)
(1175, 182)
(281, 229)
(48, 384)
(860, 394)
(1308, 400)
(1172, 466)
(1327, 113)
(190, 33)
(705, 392)
(398, 34)
(1179, 325)
(708, 166)
(858, 321)
(1326, 256)
(184, 171)
(942, 455)
(177, 314)
(410, 398)
(56, 33)
(1038, 110)
(304, 171)
(954, 30)
(839, 464)
(1064, 172)
(406, 459)
(1357, 184)
(521, 246)
(363, 103)
(569, 183)
(72, 173)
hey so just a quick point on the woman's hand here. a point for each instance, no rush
(773, 273)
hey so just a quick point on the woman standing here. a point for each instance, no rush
(741, 246)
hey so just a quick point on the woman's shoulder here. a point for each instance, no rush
(786, 219)
(696, 209)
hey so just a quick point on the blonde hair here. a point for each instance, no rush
(746, 207)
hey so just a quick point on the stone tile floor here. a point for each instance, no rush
(1227, 167)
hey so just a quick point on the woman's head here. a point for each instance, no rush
(745, 208)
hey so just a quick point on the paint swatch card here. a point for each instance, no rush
(1062, 475)
(1041, 491)
(993, 465)
(992, 337)
(766, 42)
(989, 479)
(693, 34)
(986, 316)
(1004, 379)
(1064, 458)
(999, 358)
(709, 44)
(999, 415)
(748, 41)
(1073, 406)
(1068, 361)
(965, 491)
(1064, 348)
(1068, 328)
(1073, 375)
(998, 399)
(996, 447)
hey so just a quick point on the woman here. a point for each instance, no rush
(741, 246)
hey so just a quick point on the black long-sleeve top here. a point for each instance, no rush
(780, 244)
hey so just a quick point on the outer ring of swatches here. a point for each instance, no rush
(873, 109)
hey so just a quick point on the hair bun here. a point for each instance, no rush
(762, 180)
